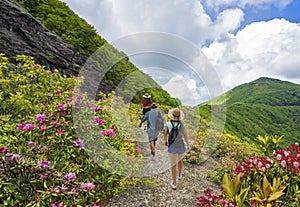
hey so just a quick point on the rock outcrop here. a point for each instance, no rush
(21, 33)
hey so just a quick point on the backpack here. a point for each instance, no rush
(174, 133)
(159, 124)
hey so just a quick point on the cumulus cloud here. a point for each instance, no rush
(186, 89)
(267, 48)
(114, 19)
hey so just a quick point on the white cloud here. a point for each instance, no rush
(186, 90)
(269, 49)
(114, 19)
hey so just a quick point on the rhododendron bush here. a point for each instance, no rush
(44, 160)
(260, 181)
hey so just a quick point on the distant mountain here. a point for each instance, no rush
(263, 107)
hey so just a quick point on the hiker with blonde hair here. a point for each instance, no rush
(173, 131)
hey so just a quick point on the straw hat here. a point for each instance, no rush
(176, 114)
(146, 95)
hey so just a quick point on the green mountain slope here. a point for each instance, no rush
(262, 107)
(62, 21)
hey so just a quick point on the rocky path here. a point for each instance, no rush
(159, 193)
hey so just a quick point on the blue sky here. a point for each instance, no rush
(241, 39)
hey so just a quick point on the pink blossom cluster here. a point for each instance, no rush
(290, 158)
(107, 132)
(259, 164)
(98, 120)
(209, 199)
(25, 126)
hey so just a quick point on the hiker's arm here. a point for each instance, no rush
(186, 138)
(165, 135)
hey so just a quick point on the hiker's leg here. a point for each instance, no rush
(152, 147)
(180, 164)
(173, 166)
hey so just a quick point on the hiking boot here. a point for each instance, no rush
(173, 186)
(179, 177)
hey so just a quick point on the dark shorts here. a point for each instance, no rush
(152, 139)
(146, 110)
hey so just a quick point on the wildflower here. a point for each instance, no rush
(20, 127)
(63, 113)
(111, 132)
(28, 127)
(57, 189)
(53, 122)
(40, 117)
(64, 188)
(44, 164)
(4, 150)
(98, 120)
(283, 163)
(286, 153)
(296, 164)
(42, 127)
(58, 92)
(97, 108)
(43, 176)
(60, 107)
(87, 186)
(60, 131)
(102, 133)
(56, 174)
(12, 157)
(278, 157)
(30, 143)
(79, 144)
(57, 204)
(71, 177)
(50, 95)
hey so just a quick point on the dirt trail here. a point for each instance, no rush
(161, 195)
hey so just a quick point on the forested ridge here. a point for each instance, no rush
(262, 107)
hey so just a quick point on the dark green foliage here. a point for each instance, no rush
(61, 20)
(263, 107)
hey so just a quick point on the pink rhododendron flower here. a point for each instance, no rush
(60, 107)
(97, 108)
(43, 127)
(4, 150)
(87, 186)
(44, 164)
(286, 153)
(71, 177)
(63, 113)
(98, 120)
(30, 143)
(278, 157)
(296, 164)
(28, 127)
(40, 117)
(111, 132)
(57, 204)
(60, 131)
(79, 144)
